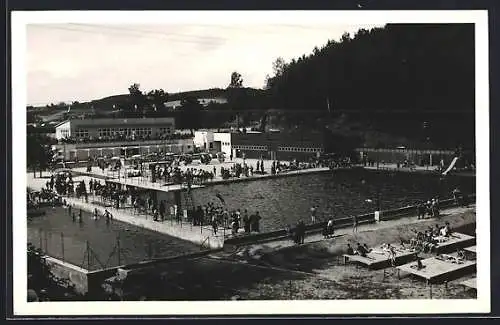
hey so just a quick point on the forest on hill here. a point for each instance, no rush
(410, 79)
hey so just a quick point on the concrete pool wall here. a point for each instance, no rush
(89, 282)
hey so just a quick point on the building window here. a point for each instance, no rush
(81, 133)
(65, 133)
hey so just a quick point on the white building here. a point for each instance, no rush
(222, 142)
(123, 137)
(204, 140)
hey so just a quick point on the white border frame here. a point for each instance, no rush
(21, 18)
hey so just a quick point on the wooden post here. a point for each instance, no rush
(430, 290)
(62, 245)
(40, 236)
(445, 288)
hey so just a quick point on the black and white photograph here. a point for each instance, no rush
(264, 162)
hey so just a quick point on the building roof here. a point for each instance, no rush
(61, 123)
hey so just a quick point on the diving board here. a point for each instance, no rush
(435, 269)
(453, 162)
(378, 258)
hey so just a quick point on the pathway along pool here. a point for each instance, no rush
(338, 193)
(136, 244)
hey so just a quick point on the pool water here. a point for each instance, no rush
(282, 201)
(60, 237)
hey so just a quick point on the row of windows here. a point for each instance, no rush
(250, 147)
(65, 133)
(124, 131)
(226, 143)
(295, 149)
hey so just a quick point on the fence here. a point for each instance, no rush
(93, 256)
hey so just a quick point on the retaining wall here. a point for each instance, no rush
(75, 274)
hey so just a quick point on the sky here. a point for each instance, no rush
(80, 62)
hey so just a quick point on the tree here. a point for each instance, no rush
(279, 67)
(38, 152)
(236, 80)
(190, 117)
(157, 98)
(138, 99)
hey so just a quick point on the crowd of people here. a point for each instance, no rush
(429, 208)
(217, 215)
(428, 240)
(36, 199)
(340, 162)
(171, 174)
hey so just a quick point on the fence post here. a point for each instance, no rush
(430, 290)
(62, 245)
(445, 288)
(88, 254)
(40, 236)
(118, 248)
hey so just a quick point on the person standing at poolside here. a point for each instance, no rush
(301, 231)
(215, 225)
(246, 221)
(313, 214)
(354, 223)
